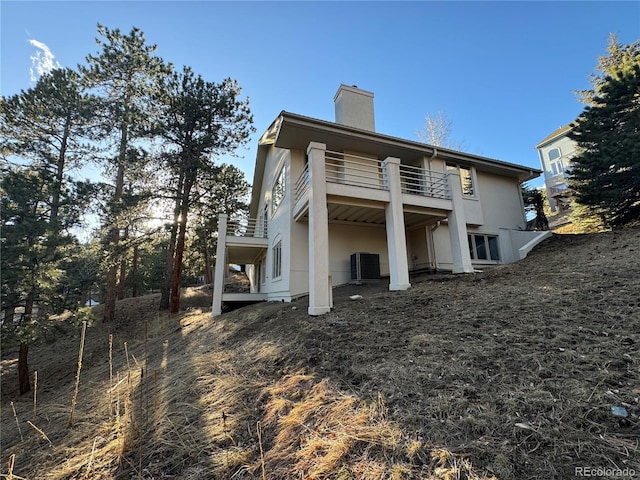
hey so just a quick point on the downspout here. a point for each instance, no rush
(433, 155)
(432, 253)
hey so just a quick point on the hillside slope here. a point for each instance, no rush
(509, 373)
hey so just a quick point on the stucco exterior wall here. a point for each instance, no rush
(501, 203)
(345, 239)
(299, 256)
(279, 225)
(417, 248)
(497, 205)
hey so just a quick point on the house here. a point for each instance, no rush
(323, 191)
(556, 152)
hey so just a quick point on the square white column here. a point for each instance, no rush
(396, 236)
(458, 228)
(320, 299)
(221, 260)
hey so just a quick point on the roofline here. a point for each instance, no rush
(562, 131)
(524, 173)
(401, 142)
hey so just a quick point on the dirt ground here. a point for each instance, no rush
(513, 371)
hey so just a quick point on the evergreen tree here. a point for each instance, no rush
(606, 173)
(534, 202)
(225, 192)
(126, 75)
(619, 59)
(47, 127)
(43, 130)
(32, 251)
(200, 120)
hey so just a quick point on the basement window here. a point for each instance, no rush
(483, 247)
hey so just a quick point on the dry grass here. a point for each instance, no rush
(510, 373)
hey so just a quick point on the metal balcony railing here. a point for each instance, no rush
(419, 181)
(302, 184)
(247, 227)
(370, 173)
(354, 170)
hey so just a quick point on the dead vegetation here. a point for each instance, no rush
(509, 373)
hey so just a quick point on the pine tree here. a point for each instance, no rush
(606, 174)
(43, 130)
(200, 120)
(619, 59)
(225, 192)
(126, 75)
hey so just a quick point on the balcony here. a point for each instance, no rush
(358, 181)
(247, 227)
(366, 178)
(246, 239)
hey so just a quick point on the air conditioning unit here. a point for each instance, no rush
(364, 267)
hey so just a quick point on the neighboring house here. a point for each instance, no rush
(556, 152)
(323, 191)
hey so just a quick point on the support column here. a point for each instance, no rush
(319, 282)
(458, 228)
(396, 236)
(221, 260)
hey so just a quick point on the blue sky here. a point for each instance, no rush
(504, 72)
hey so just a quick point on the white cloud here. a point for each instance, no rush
(42, 61)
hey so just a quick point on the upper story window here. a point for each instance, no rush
(278, 191)
(466, 178)
(553, 154)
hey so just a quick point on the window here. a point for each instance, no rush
(466, 178)
(278, 191)
(553, 154)
(263, 271)
(277, 260)
(483, 247)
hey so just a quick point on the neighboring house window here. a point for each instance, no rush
(277, 260)
(556, 167)
(278, 191)
(466, 178)
(483, 247)
(555, 162)
(553, 154)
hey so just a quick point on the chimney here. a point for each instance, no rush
(354, 107)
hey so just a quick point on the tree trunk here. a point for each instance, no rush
(114, 234)
(109, 314)
(57, 186)
(174, 305)
(165, 294)
(23, 369)
(23, 364)
(168, 269)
